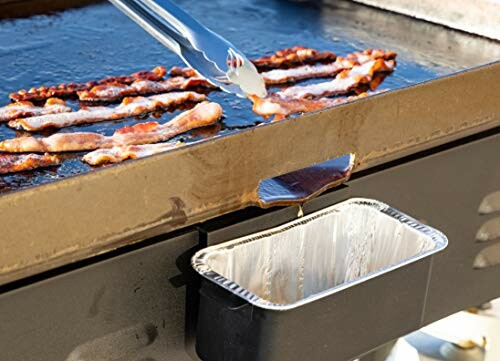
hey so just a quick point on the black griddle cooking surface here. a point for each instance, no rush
(97, 41)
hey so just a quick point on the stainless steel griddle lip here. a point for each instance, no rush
(481, 19)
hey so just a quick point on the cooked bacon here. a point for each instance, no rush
(371, 54)
(285, 58)
(61, 142)
(118, 154)
(130, 107)
(274, 104)
(289, 75)
(11, 163)
(279, 76)
(110, 92)
(70, 89)
(28, 109)
(343, 83)
(201, 115)
(297, 55)
(185, 72)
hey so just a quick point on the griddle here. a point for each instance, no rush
(441, 91)
(96, 41)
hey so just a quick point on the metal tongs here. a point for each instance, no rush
(208, 53)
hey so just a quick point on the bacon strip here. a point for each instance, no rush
(185, 72)
(11, 163)
(297, 55)
(110, 92)
(28, 109)
(274, 104)
(70, 89)
(345, 82)
(130, 107)
(201, 115)
(279, 76)
(284, 58)
(118, 154)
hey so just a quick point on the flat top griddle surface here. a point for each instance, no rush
(98, 40)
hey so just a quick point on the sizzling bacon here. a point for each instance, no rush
(290, 75)
(279, 76)
(11, 163)
(371, 54)
(201, 115)
(274, 104)
(343, 83)
(118, 154)
(185, 72)
(28, 109)
(130, 107)
(110, 92)
(297, 55)
(70, 89)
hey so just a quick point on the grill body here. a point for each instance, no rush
(123, 288)
(150, 292)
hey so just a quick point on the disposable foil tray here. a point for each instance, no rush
(294, 291)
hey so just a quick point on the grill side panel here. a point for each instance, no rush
(445, 190)
(131, 307)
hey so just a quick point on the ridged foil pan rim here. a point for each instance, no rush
(200, 265)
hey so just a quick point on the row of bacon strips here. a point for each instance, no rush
(348, 73)
(307, 98)
(129, 107)
(142, 139)
(71, 89)
(203, 114)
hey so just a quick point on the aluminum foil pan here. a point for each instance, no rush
(318, 255)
